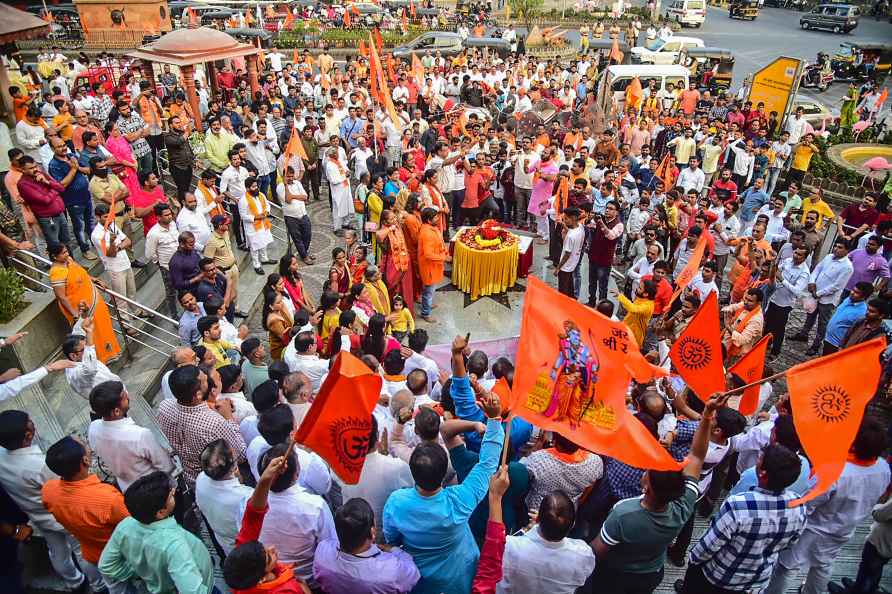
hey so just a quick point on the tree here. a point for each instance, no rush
(526, 10)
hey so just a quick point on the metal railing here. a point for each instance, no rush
(144, 332)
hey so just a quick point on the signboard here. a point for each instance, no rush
(776, 85)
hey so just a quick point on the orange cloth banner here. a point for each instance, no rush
(828, 396)
(750, 368)
(338, 424)
(570, 377)
(688, 273)
(697, 354)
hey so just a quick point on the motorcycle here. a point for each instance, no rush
(818, 75)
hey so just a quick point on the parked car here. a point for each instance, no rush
(687, 12)
(449, 43)
(664, 52)
(814, 112)
(839, 18)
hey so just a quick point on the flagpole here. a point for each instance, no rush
(770, 378)
(507, 439)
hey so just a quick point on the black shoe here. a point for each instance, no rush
(138, 264)
(676, 558)
(269, 262)
(259, 270)
(799, 337)
(241, 314)
(242, 247)
(678, 586)
(812, 351)
(835, 588)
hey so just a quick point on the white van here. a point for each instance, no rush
(687, 12)
(613, 81)
(664, 52)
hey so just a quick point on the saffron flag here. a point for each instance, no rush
(697, 354)
(374, 77)
(295, 58)
(338, 424)
(634, 94)
(379, 41)
(249, 18)
(828, 396)
(750, 368)
(688, 273)
(294, 148)
(363, 50)
(384, 91)
(571, 378)
(193, 18)
(412, 8)
(417, 71)
(288, 23)
(664, 173)
(615, 53)
(642, 370)
(347, 20)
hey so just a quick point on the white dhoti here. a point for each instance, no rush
(341, 196)
(257, 239)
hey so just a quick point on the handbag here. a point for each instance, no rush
(358, 206)
(370, 226)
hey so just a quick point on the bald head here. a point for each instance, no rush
(183, 356)
(401, 400)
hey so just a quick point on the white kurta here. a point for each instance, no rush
(341, 197)
(257, 239)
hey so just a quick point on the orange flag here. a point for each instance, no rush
(379, 41)
(295, 148)
(750, 368)
(634, 93)
(347, 20)
(417, 71)
(828, 396)
(289, 21)
(363, 50)
(663, 172)
(374, 66)
(697, 354)
(571, 378)
(412, 8)
(383, 90)
(232, 23)
(616, 53)
(295, 57)
(338, 425)
(193, 18)
(688, 273)
(249, 18)
(353, 10)
(642, 370)
(404, 21)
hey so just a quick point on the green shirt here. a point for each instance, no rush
(167, 558)
(217, 147)
(254, 375)
(638, 538)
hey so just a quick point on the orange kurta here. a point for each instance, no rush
(431, 255)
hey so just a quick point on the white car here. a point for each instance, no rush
(664, 52)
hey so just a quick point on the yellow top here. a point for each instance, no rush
(218, 348)
(802, 155)
(329, 323)
(820, 207)
(404, 321)
(638, 315)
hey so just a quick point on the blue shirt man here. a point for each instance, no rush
(753, 199)
(349, 126)
(847, 313)
(77, 193)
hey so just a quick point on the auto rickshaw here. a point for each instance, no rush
(857, 62)
(711, 67)
(743, 9)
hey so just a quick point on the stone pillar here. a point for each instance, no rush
(211, 68)
(252, 74)
(188, 73)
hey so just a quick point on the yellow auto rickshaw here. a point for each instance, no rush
(711, 67)
(743, 9)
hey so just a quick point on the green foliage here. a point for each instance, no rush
(11, 292)
(526, 10)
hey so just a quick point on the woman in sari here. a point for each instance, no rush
(277, 321)
(847, 115)
(395, 263)
(293, 283)
(73, 286)
(339, 276)
(374, 208)
(125, 168)
(359, 261)
(361, 304)
(432, 197)
(274, 282)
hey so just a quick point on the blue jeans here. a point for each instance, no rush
(82, 223)
(55, 230)
(427, 300)
(598, 278)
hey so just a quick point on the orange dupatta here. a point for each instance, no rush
(439, 203)
(256, 211)
(209, 199)
(398, 250)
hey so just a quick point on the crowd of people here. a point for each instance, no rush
(434, 510)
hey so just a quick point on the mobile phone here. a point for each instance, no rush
(468, 338)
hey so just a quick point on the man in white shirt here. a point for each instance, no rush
(111, 245)
(89, 371)
(297, 520)
(126, 449)
(12, 387)
(219, 494)
(162, 242)
(22, 475)
(643, 266)
(775, 231)
(826, 285)
(232, 185)
(300, 355)
(703, 282)
(194, 218)
(571, 251)
(792, 281)
(544, 559)
(691, 177)
(294, 209)
(275, 58)
(796, 126)
(524, 160)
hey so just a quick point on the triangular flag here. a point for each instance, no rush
(295, 147)
(664, 173)
(412, 8)
(634, 94)
(374, 76)
(295, 57)
(404, 21)
(338, 424)
(347, 20)
(363, 50)
(570, 377)
(828, 397)
(193, 18)
(615, 53)
(417, 71)
(249, 18)
(379, 41)
(697, 354)
(384, 91)
(750, 368)
(690, 269)
(288, 23)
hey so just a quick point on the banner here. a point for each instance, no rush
(495, 348)
(697, 354)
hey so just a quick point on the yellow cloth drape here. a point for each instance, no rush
(484, 272)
